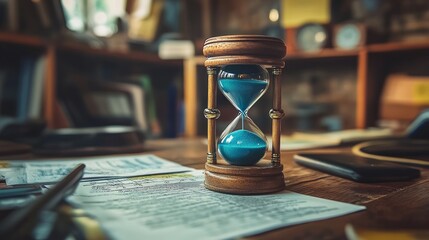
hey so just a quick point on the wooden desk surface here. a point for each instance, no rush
(394, 205)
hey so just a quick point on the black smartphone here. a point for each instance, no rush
(356, 168)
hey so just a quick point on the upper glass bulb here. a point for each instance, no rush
(243, 85)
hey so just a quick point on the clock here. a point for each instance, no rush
(311, 37)
(349, 36)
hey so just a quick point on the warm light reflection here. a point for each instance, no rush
(274, 15)
(320, 37)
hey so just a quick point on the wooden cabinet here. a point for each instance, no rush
(371, 63)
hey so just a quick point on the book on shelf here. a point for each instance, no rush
(3, 14)
(10, 85)
(29, 20)
(24, 87)
(103, 103)
(31, 16)
(36, 92)
(144, 81)
(21, 93)
(73, 105)
(124, 100)
(62, 115)
(144, 24)
(137, 105)
(44, 15)
(3, 74)
(31, 78)
(12, 15)
(176, 49)
(172, 106)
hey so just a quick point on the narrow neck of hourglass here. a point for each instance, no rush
(243, 115)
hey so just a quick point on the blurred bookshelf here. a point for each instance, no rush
(58, 54)
(352, 80)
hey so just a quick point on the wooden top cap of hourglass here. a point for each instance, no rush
(244, 49)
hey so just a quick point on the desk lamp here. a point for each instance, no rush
(242, 67)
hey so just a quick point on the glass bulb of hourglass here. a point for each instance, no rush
(242, 142)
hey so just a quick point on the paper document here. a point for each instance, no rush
(96, 168)
(346, 136)
(177, 206)
(300, 140)
(289, 143)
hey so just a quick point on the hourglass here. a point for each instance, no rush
(243, 67)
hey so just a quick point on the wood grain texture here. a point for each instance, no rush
(371, 75)
(244, 49)
(9, 148)
(189, 95)
(22, 39)
(391, 205)
(260, 169)
(398, 46)
(211, 122)
(361, 88)
(261, 178)
(276, 122)
(50, 87)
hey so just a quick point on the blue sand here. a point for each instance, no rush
(242, 92)
(242, 148)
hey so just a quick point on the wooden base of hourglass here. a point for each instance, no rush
(261, 178)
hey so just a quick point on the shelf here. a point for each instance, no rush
(324, 53)
(372, 48)
(35, 41)
(119, 55)
(367, 60)
(21, 39)
(397, 46)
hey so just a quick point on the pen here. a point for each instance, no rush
(20, 190)
(20, 223)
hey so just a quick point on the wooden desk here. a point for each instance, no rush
(395, 205)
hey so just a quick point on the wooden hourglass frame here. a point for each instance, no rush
(267, 175)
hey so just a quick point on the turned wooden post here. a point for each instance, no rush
(276, 114)
(211, 113)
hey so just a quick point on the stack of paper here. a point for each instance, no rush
(175, 206)
(50, 171)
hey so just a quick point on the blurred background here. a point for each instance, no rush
(90, 63)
